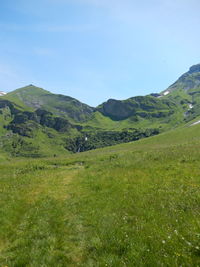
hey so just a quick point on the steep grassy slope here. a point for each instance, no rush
(142, 106)
(39, 133)
(135, 112)
(175, 105)
(27, 112)
(189, 81)
(127, 205)
(60, 105)
(186, 91)
(99, 121)
(138, 112)
(32, 134)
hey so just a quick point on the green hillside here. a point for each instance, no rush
(186, 91)
(133, 204)
(130, 204)
(30, 112)
(140, 106)
(40, 133)
(32, 133)
(174, 106)
(60, 105)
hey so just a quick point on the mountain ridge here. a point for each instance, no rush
(194, 69)
(31, 114)
(35, 97)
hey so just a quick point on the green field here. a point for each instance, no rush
(135, 204)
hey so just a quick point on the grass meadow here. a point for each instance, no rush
(135, 204)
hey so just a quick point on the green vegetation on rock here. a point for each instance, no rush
(60, 105)
(28, 111)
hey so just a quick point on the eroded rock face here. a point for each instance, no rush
(5, 103)
(142, 106)
(116, 109)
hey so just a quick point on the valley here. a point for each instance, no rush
(130, 198)
(124, 205)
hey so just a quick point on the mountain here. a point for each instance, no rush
(139, 108)
(32, 133)
(142, 111)
(178, 104)
(189, 81)
(60, 105)
(35, 122)
(133, 204)
(33, 125)
(40, 133)
(186, 92)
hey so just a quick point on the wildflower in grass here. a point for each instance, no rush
(163, 241)
(176, 232)
(197, 247)
(169, 237)
(178, 254)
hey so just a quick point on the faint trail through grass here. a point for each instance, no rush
(129, 205)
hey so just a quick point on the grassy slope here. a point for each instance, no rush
(15, 98)
(135, 204)
(39, 146)
(44, 142)
(151, 112)
(4, 120)
(32, 97)
(100, 121)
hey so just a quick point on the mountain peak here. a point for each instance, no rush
(30, 89)
(194, 68)
(31, 86)
(188, 81)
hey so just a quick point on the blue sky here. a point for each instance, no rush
(97, 49)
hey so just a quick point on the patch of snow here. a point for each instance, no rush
(166, 93)
(195, 123)
(190, 106)
(2, 93)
